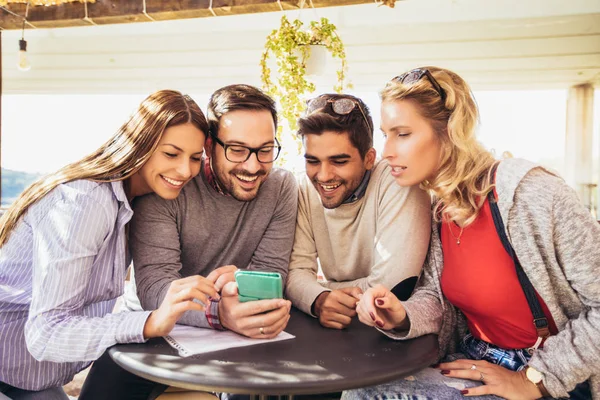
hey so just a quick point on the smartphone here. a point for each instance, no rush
(258, 285)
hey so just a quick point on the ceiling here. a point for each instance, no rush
(494, 44)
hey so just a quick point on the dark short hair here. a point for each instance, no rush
(237, 97)
(325, 119)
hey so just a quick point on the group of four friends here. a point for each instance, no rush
(502, 256)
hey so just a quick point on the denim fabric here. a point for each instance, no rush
(430, 384)
(427, 384)
(476, 349)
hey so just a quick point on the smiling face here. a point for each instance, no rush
(174, 163)
(250, 128)
(412, 147)
(334, 166)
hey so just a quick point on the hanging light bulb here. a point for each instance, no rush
(23, 60)
(23, 63)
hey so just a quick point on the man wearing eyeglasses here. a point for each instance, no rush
(354, 221)
(239, 212)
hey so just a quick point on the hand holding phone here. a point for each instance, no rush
(258, 285)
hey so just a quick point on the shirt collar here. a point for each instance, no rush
(119, 192)
(360, 190)
(210, 177)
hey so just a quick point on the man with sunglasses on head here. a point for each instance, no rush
(238, 212)
(354, 221)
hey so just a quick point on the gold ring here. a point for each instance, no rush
(261, 330)
(473, 366)
(481, 376)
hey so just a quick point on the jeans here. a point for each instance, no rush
(430, 384)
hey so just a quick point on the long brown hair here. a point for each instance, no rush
(121, 156)
(464, 177)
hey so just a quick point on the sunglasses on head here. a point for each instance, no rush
(340, 106)
(416, 75)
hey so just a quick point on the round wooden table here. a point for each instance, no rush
(317, 360)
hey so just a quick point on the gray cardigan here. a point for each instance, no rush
(558, 244)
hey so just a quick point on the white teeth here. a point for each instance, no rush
(247, 178)
(330, 187)
(173, 181)
(398, 169)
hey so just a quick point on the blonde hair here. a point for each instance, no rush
(464, 177)
(120, 157)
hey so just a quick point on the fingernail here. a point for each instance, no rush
(379, 302)
(372, 316)
(379, 323)
(464, 392)
(444, 372)
(435, 366)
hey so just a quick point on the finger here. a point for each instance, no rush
(338, 318)
(226, 269)
(333, 306)
(256, 307)
(463, 363)
(179, 308)
(345, 299)
(333, 324)
(189, 294)
(470, 374)
(356, 292)
(368, 302)
(386, 301)
(364, 316)
(352, 291)
(271, 324)
(479, 391)
(224, 279)
(275, 329)
(267, 319)
(230, 289)
(197, 281)
(208, 288)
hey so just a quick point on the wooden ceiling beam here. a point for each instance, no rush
(104, 12)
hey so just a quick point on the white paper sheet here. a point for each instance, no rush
(190, 340)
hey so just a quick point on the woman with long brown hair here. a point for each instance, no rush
(510, 285)
(63, 250)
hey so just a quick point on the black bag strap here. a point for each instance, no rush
(539, 319)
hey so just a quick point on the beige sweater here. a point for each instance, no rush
(381, 238)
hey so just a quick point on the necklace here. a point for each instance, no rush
(459, 235)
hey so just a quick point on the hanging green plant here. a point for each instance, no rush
(290, 47)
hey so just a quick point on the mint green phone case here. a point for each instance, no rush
(258, 285)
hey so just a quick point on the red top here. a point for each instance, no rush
(479, 277)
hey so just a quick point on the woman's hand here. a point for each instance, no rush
(378, 306)
(496, 380)
(179, 299)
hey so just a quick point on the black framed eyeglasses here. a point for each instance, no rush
(416, 75)
(237, 153)
(340, 106)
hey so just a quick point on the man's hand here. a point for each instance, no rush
(260, 319)
(336, 309)
(222, 275)
(179, 299)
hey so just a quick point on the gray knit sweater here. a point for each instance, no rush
(558, 244)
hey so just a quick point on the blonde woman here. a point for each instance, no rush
(63, 250)
(511, 281)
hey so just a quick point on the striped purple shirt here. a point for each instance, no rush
(61, 272)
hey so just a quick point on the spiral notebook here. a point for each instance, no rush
(190, 340)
